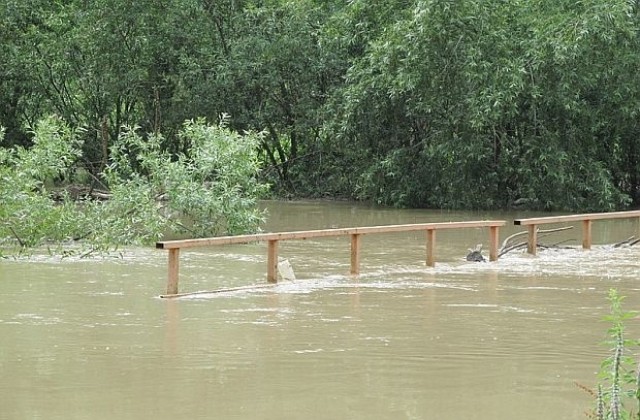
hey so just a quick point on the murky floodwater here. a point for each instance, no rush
(506, 340)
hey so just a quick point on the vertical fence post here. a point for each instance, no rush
(532, 243)
(493, 243)
(431, 244)
(355, 253)
(174, 269)
(272, 261)
(586, 234)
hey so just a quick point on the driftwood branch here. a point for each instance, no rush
(627, 241)
(508, 246)
(509, 238)
(504, 250)
(541, 232)
(630, 241)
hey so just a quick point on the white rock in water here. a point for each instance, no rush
(285, 270)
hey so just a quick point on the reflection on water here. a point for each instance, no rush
(91, 339)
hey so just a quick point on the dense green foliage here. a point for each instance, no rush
(209, 190)
(429, 103)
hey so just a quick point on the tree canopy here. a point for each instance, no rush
(425, 103)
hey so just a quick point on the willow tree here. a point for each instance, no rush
(276, 76)
(106, 64)
(437, 103)
(491, 104)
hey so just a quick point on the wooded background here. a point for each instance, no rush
(476, 104)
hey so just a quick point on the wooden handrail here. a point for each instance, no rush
(586, 219)
(577, 217)
(306, 234)
(355, 233)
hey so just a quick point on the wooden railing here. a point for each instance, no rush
(355, 233)
(586, 219)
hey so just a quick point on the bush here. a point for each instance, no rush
(210, 189)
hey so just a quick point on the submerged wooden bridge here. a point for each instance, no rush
(355, 233)
(586, 219)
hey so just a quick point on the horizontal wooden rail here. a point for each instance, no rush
(355, 233)
(586, 219)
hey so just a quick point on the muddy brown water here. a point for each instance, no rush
(90, 339)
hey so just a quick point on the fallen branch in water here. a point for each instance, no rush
(225, 290)
(540, 232)
(503, 251)
(507, 246)
(557, 244)
(630, 241)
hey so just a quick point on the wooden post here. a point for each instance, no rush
(431, 244)
(355, 254)
(586, 234)
(272, 261)
(174, 269)
(532, 244)
(493, 243)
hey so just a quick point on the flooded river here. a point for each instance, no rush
(90, 339)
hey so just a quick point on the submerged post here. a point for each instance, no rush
(355, 253)
(174, 269)
(493, 243)
(431, 244)
(272, 261)
(532, 243)
(586, 234)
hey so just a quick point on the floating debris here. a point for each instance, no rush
(285, 270)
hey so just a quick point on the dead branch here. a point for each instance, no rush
(511, 248)
(507, 247)
(509, 238)
(540, 232)
(557, 244)
(627, 242)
